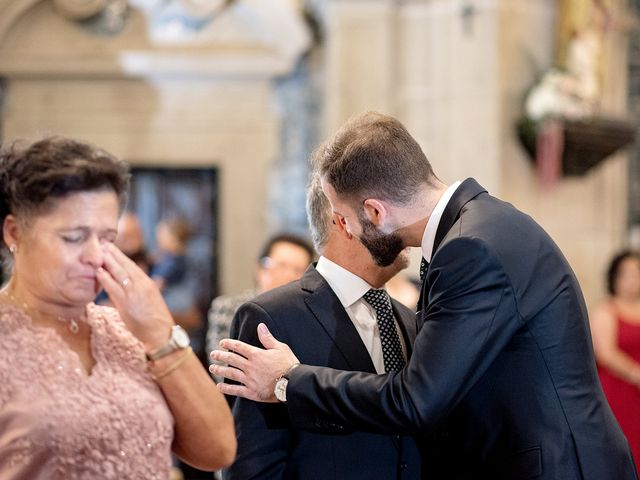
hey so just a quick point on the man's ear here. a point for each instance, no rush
(341, 225)
(375, 210)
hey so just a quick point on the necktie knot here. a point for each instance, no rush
(389, 338)
(378, 299)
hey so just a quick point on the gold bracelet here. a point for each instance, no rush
(173, 366)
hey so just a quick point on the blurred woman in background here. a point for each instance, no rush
(615, 326)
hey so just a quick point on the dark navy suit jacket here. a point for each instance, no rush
(502, 381)
(308, 316)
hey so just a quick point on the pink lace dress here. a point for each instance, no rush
(57, 422)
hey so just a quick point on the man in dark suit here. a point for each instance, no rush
(326, 321)
(502, 377)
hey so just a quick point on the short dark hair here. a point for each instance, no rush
(614, 268)
(32, 177)
(285, 238)
(373, 155)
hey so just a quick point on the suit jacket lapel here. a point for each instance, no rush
(326, 307)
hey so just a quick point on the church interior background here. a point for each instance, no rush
(217, 105)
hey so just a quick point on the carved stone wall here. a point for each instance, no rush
(455, 72)
(634, 108)
(210, 103)
(586, 216)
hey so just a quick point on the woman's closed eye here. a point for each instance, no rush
(80, 236)
(73, 238)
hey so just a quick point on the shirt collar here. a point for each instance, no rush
(429, 236)
(348, 287)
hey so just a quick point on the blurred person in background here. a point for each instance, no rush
(283, 258)
(615, 327)
(170, 262)
(89, 391)
(130, 240)
(170, 270)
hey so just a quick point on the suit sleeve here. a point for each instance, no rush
(471, 315)
(262, 430)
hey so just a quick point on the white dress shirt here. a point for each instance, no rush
(429, 236)
(349, 289)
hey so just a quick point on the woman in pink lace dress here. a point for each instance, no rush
(90, 392)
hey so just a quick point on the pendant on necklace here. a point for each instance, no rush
(72, 324)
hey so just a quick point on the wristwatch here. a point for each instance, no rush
(280, 388)
(178, 340)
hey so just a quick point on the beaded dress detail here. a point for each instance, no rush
(58, 422)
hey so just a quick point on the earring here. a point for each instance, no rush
(13, 248)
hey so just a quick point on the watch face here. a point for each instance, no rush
(180, 336)
(280, 390)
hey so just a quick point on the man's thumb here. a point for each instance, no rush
(268, 341)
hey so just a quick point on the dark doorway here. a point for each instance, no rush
(190, 193)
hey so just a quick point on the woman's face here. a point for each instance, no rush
(628, 279)
(59, 252)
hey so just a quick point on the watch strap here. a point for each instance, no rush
(162, 351)
(178, 340)
(280, 387)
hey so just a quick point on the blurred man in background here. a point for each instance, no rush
(283, 258)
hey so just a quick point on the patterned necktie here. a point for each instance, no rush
(423, 268)
(391, 347)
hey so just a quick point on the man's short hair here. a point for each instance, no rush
(285, 238)
(319, 213)
(373, 155)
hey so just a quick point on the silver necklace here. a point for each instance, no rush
(72, 323)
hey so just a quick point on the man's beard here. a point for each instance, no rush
(383, 247)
